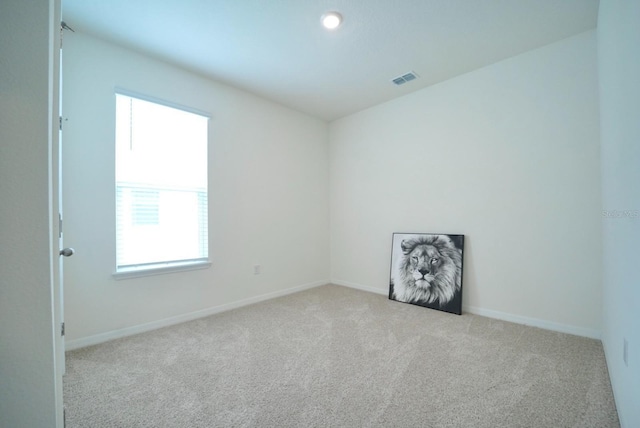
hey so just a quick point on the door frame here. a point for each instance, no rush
(55, 8)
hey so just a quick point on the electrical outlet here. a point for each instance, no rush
(625, 352)
(256, 269)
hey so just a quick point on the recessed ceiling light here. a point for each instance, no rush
(331, 20)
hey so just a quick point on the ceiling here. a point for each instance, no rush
(278, 49)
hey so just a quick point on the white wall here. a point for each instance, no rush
(30, 388)
(268, 193)
(619, 71)
(507, 155)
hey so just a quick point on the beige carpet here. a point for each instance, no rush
(337, 357)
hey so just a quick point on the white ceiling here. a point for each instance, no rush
(279, 50)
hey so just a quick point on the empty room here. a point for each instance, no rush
(309, 213)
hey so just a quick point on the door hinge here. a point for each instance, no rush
(64, 26)
(60, 123)
(62, 330)
(59, 225)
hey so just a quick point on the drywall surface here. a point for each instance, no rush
(28, 380)
(268, 193)
(619, 68)
(507, 155)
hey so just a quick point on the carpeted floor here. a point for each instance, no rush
(337, 357)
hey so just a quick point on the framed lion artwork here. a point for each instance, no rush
(426, 270)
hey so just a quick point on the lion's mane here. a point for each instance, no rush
(447, 275)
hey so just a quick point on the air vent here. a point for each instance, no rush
(407, 77)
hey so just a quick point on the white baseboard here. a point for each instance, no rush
(360, 287)
(518, 319)
(154, 325)
(142, 328)
(534, 322)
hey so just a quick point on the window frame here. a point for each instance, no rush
(164, 267)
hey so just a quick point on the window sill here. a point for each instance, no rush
(136, 272)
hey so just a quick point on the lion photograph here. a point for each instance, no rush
(426, 270)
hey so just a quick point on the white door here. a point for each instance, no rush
(63, 251)
(56, 238)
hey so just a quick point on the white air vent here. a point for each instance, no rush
(407, 77)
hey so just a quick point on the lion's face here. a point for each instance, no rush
(424, 264)
(430, 270)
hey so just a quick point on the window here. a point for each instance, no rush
(161, 187)
(145, 207)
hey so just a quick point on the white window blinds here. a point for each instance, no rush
(161, 185)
